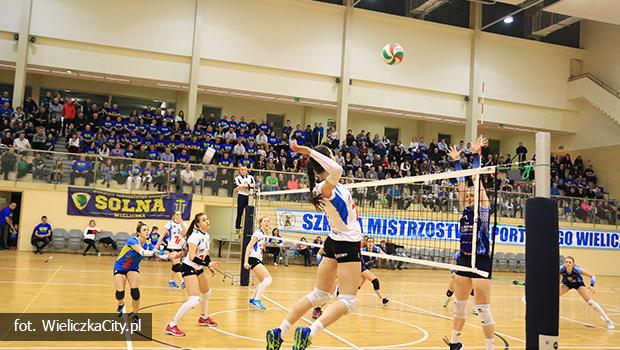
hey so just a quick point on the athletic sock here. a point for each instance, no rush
(184, 309)
(260, 288)
(204, 304)
(488, 343)
(315, 328)
(284, 327)
(598, 309)
(456, 337)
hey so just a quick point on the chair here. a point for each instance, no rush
(511, 261)
(436, 255)
(521, 262)
(74, 240)
(121, 238)
(59, 239)
(500, 260)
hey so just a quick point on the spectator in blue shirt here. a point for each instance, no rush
(81, 168)
(41, 235)
(6, 224)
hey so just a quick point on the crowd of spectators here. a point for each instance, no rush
(142, 141)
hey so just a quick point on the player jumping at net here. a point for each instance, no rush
(341, 251)
(253, 260)
(127, 267)
(465, 281)
(572, 279)
(194, 262)
(175, 231)
(368, 275)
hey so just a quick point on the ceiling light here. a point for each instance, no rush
(509, 20)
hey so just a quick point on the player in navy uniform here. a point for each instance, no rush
(342, 251)
(254, 261)
(194, 262)
(367, 275)
(127, 267)
(465, 280)
(571, 275)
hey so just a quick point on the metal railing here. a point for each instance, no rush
(598, 82)
(113, 173)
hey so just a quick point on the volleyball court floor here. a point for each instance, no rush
(414, 319)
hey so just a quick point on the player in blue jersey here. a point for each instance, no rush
(465, 281)
(368, 275)
(341, 248)
(254, 261)
(127, 266)
(571, 276)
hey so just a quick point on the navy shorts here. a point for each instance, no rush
(573, 284)
(254, 262)
(483, 263)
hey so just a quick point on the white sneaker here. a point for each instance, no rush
(611, 325)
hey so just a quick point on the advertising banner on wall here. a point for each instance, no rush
(96, 203)
(314, 223)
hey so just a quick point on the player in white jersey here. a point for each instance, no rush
(253, 260)
(175, 230)
(341, 248)
(197, 257)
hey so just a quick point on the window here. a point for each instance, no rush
(9, 88)
(277, 120)
(392, 134)
(494, 146)
(447, 137)
(70, 94)
(208, 110)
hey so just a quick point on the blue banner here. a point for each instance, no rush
(315, 223)
(96, 203)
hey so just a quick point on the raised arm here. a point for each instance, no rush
(455, 155)
(333, 169)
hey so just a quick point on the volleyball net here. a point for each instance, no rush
(414, 220)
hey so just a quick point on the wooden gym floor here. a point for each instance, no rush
(414, 319)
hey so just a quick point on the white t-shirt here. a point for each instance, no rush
(341, 213)
(175, 232)
(203, 243)
(259, 246)
(90, 232)
(248, 180)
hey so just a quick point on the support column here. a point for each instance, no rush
(36, 87)
(474, 109)
(194, 70)
(19, 85)
(342, 111)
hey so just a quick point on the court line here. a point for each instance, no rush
(42, 288)
(307, 320)
(237, 348)
(589, 324)
(450, 318)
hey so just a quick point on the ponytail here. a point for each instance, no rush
(192, 226)
(314, 198)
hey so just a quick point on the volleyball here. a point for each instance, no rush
(393, 53)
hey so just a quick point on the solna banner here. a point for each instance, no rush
(96, 203)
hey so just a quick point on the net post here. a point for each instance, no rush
(542, 254)
(248, 229)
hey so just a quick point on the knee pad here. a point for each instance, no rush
(449, 293)
(375, 284)
(120, 294)
(348, 300)
(135, 293)
(194, 300)
(176, 267)
(207, 295)
(460, 307)
(267, 281)
(484, 312)
(318, 297)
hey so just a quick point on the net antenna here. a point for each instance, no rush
(419, 214)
